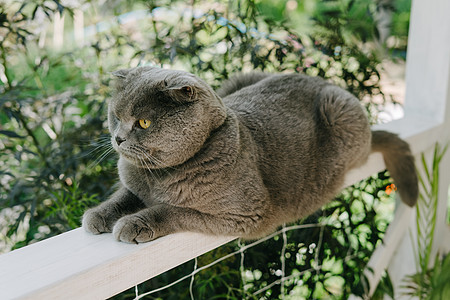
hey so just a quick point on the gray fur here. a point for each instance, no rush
(269, 150)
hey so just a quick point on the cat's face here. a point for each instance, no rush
(160, 118)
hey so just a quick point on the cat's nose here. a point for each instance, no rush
(119, 140)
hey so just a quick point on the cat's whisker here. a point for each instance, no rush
(94, 145)
(146, 167)
(104, 155)
(150, 157)
(98, 147)
(101, 139)
(156, 162)
(93, 141)
(152, 160)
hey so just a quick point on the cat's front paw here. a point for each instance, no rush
(133, 229)
(94, 222)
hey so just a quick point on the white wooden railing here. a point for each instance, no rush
(78, 265)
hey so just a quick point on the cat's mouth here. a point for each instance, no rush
(140, 157)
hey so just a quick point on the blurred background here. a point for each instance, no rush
(55, 64)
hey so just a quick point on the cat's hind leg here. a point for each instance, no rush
(343, 126)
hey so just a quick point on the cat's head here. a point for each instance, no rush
(160, 118)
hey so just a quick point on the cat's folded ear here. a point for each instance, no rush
(181, 91)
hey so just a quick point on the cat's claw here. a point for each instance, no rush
(131, 229)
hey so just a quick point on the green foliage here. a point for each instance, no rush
(428, 283)
(432, 284)
(384, 288)
(69, 204)
(55, 156)
(52, 115)
(400, 27)
(427, 207)
(439, 287)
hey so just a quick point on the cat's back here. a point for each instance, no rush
(279, 110)
(294, 108)
(308, 132)
(263, 93)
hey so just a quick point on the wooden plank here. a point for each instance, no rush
(79, 265)
(373, 165)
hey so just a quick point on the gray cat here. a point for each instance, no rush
(262, 151)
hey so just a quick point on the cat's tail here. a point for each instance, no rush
(399, 162)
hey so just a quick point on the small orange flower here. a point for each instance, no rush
(391, 188)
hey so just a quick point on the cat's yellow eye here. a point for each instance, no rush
(144, 124)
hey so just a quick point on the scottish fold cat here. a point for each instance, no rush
(262, 151)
